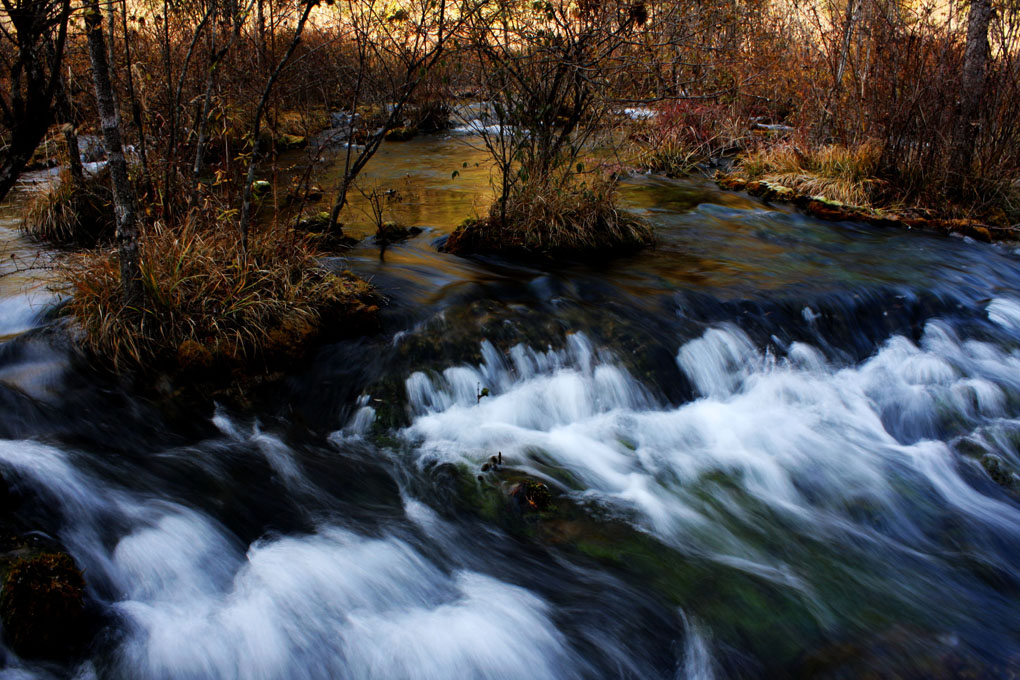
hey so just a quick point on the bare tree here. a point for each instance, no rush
(545, 68)
(34, 33)
(257, 124)
(395, 54)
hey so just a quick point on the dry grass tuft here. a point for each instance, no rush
(69, 214)
(686, 133)
(839, 173)
(208, 305)
(555, 217)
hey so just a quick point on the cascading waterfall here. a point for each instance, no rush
(760, 464)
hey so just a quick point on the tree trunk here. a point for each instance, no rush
(972, 86)
(123, 194)
(136, 108)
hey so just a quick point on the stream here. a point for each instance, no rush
(777, 447)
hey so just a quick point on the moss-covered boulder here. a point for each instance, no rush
(391, 232)
(42, 606)
(261, 188)
(317, 223)
(287, 142)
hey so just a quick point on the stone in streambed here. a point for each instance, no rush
(391, 232)
(531, 496)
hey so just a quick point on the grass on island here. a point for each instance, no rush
(839, 173)
(566, 216)
(69, 214)
(210, 307)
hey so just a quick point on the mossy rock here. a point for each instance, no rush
(400, 134)
(287, 142)
(831, 211)
(291, 336)
(193, 356)
(391, 232)
(43, 606)
(318, 222)
(731, 182)
(770, 191)
(531, 496)
(317, 226)
(299, 193)
(999, 471)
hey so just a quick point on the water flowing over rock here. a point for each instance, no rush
(771, 447)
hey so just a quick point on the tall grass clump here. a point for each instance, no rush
(209, 306)
(684, 134)
(556, 216)
(72, 213)
(837, 172)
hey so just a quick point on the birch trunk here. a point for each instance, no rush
(123, 194)
(972, 86)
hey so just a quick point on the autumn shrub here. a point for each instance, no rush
(209, 305)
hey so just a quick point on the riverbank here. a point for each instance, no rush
(825, 208)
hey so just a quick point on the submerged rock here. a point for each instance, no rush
(1000, 473)
(898, 653)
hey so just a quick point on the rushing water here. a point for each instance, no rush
(768, 441)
